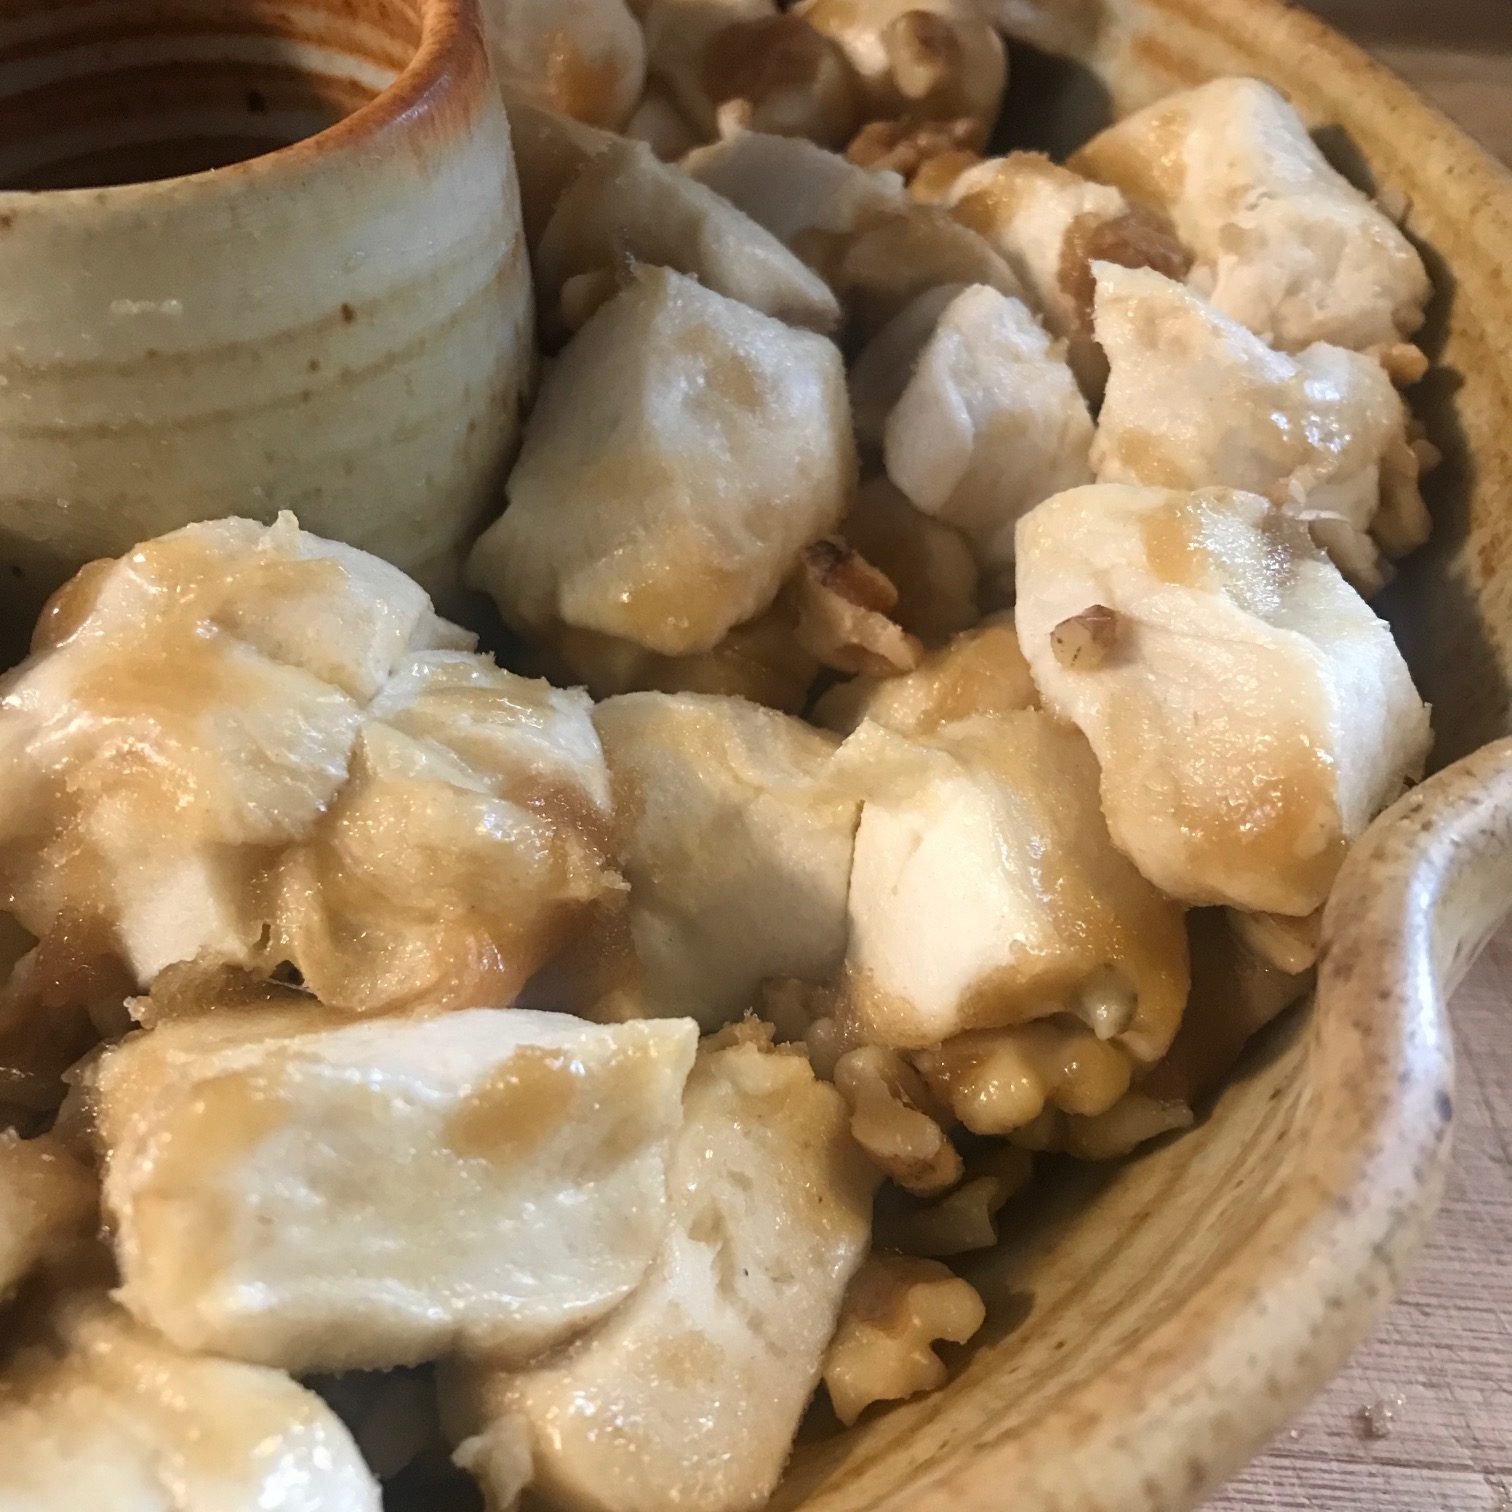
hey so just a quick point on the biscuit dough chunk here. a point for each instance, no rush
(627, 205)
(690, 1394)
(1193, 398)
(986, 892)
(584, 58)
(242, 746)
(981, 671)
(877, 248)
(736, 843)
(379, 1193)
(1251, 714)
(649, 501)
(1051, 225)
(104, 1413)
(1283, 243)
(47, 1199)
(470, 841)
(990, 423)
(187, 710)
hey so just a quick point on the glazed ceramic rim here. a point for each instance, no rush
(450, 58)
(1201, 1392)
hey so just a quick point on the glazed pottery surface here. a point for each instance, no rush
(318, 300)
(1153, 1324)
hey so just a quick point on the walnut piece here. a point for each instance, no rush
(895, 1311)
(1084, 640)
(843, 604)
(893, 1118)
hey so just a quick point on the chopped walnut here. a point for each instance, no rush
(843, 604)
(934, 180)
(895, 1311)
(907, 146)
(893, 1118)
(1402, 522)
(919, 60)
(998, 1080)
(1085, 640)
(1134, 1119)
(1405, 363)
(965, 1219)
(781, 75)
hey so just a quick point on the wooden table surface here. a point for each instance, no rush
(1421, 1421)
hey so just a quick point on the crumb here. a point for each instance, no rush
(1374, 1419)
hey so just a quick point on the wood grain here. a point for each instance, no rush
(1437, 1375)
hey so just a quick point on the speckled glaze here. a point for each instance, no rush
(334, 321)
(1152, 1325)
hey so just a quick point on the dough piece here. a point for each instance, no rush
(1195, 399)
(705, 1372)
(550, 151)
(982, 671)
(106, 1414)
(877, 248)
(737, 846)
(382, 1192)
(648, 502)
(931, 60)
(1051, 225)
(1250, 712)
(584, 58)
(627, 207)
(1283, 243)
(985, 890)
(990, 423)
(470, 842)
(188, 709)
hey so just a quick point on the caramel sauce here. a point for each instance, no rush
(1136, 239)
(1144, 156)
(749, 60)
(1153, 460)
(517, 1107)
(577, 87)
(732, 379)
(66, 611)
(194, 1156)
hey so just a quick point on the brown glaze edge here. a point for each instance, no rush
(450, 64)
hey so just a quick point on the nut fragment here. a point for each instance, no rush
(907, 146)
(924, 51)
(780, 74)
(843, 605)
(894, 1312)
(998, 1080)
(965, 1219)
(893, 1120)
(1106, 1004)
(1085, 640)
(1405, 363)
(1134, 1119)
